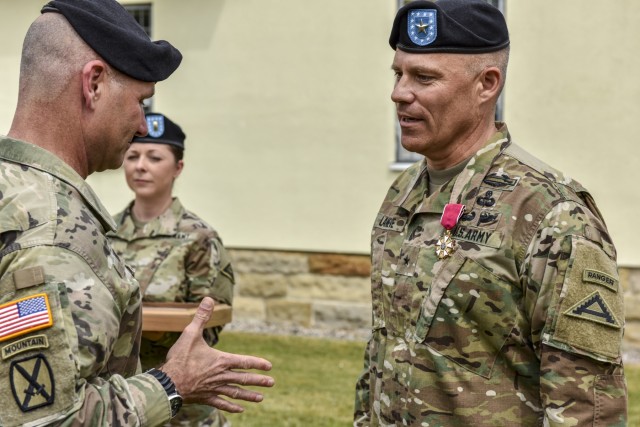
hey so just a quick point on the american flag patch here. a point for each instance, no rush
(25, 315)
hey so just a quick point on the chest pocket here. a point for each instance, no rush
(467, 315)
(146, 262)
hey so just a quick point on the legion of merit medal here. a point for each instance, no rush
(446, 245)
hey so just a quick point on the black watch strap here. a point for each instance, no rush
(175, 400)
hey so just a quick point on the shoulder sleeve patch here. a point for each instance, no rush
(590, 315)
(32, 383)
(595, 309)
(228, 271)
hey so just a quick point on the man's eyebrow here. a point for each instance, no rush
(416, 69)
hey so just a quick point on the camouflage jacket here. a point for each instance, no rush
(176, 257)
(521, 326)
(70, 310)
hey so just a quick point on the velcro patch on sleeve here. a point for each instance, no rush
(28, 277)
(590, 315)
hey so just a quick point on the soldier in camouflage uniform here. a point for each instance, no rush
(70, 320)
(496, 297)
(176, 256)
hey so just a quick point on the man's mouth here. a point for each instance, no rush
(408, 120)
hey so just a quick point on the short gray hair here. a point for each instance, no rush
(52, 53)
(499, 59)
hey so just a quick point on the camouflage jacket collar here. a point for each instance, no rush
(415, 198)
(164, 225)
(31, 155)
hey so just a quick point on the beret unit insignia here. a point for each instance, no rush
(155, 124)
(422, 27)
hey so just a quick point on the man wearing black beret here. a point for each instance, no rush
(496, 297)
(70, 320)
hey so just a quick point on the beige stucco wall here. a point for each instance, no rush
(289, 128)
(573, 98)
(16, 18)
(290, 131)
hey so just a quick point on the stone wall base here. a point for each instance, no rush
(305, 289)
(333, 291)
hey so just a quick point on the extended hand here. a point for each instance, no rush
(203, 374)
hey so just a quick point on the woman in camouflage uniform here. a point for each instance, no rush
(176, 256)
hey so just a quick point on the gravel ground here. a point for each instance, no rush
(631, 356)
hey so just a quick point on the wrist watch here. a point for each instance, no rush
(175, 400)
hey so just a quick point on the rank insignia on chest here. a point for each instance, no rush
(446, 244)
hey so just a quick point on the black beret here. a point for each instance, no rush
(107, 27)
(162, 131)
(454, 26)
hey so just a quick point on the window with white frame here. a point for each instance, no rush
(142, 14)
(403, 157)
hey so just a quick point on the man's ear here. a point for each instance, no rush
(490, 82)
(94, 77)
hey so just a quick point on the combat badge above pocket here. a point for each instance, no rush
(591, 313)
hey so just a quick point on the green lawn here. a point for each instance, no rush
(314, 377)
(633, 384)
(315, 380)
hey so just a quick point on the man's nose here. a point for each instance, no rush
(401, 91)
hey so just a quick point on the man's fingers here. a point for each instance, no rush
(225, 405)
(240, 361)
(239, 393)
(246, 378)
(203, 314)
